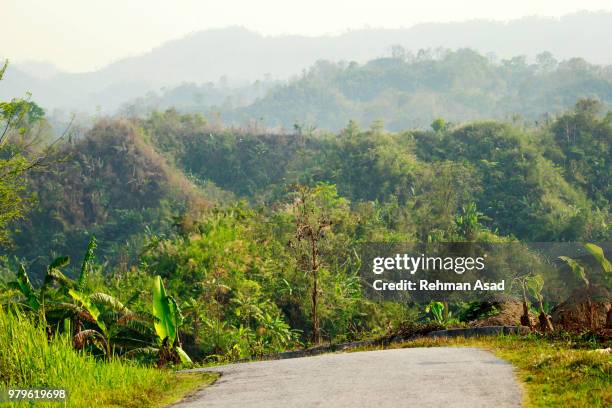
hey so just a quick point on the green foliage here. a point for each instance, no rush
(598, 254)
(269, 260)
(86, 265)
(438, 125)
(90, 307)
(111, 185)
(578, 269)
(583, 149)
(168, 320)
(535, 285)
(541, 184)
(165, 311)
(28, 358)
(21, 151)
(414, 91)
(437, 311)
(470, 311)
(518, 178)
(25, 287)
(243, 266)
(93, 319)
(468, 221)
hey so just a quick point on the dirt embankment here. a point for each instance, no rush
(510, 312)
(584, 309)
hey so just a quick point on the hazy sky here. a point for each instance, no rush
(78, 35)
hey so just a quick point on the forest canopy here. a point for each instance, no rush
(404, 90)
(259, 234)
(544, 183)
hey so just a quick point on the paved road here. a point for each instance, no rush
(415, 377)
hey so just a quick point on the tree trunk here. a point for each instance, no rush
(545, 323)
(315, 314)
(592, 321)
(315, 293)
(445, 312)
(525, 320)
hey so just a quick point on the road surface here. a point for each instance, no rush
(413, 377)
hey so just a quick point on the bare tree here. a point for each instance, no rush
(311, 224)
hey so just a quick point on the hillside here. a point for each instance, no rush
(126, 177)
(111, 184)
(533, 184)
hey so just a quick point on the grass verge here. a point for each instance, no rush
(555, 372)
(29, 360)
(186, 384)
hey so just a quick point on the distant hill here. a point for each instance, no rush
(241, 55)
(407, 92)
(403, 91)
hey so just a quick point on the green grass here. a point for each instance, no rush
(555, 372)
(186, 383)
(28, 359)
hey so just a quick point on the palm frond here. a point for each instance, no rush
(142, 351)
(81, 338)
(103, 299)
(55, 275)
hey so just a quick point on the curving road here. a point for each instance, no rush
(414, 377)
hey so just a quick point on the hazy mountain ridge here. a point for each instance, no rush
(410, 92)
(242, 56)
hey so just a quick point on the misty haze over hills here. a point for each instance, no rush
(241, 56)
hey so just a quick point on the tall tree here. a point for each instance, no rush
(315, 209)
(18, 136)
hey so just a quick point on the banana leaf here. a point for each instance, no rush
(164, 311)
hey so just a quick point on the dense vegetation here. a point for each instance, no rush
(60, 333)
(222, 244)
(403, 90)
(549, 183)
(162, 194)
(532, 183)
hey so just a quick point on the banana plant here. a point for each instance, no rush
(91, 312)
(580, 271)
(168, 320)
(48, 298)
(598, 254)
(86, 266)
(23, 285)
(535, 285)
(106, 322)
(522, 281)
(437, 311)
(112, 325)
(35, 299)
